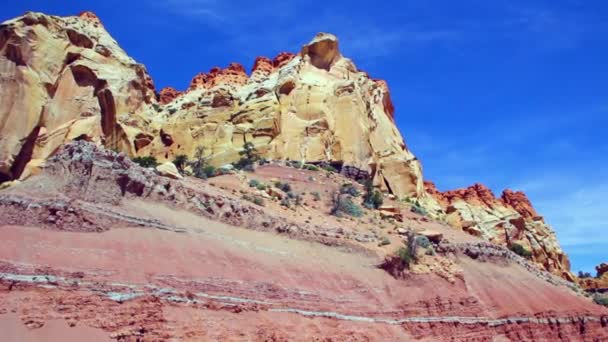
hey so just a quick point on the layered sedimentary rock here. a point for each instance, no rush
(508, 220)
(66, 78)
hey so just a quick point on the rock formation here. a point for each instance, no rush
(599, 283)
(69, 79)
(508, 220)
(65, 78)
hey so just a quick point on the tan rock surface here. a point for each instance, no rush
(503, 221)
(168, 169)
(69, 79)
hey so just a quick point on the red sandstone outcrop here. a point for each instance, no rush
(520, 202)
(510, 219)
(234, 75)
(599, 283)
(88, 15)
(168, 94)
(282, 59)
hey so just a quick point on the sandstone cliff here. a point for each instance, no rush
(508, 220)
(65, 78)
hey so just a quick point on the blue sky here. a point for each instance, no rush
(510, 93)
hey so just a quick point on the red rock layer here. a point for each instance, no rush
(600, 282)
(283, 58)
(480, 194)
(88, 15)
(234, 74)
(520, 202)
(474, 194)
(168, 94)
(262, 65)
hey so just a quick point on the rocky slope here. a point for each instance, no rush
(66, 78)
(97, 247)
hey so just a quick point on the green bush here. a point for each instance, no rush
(180, 161)
(285, 202)
(423, 241)
(259, 201)
(249, 155)
(199, 163)
(406, 256)
(345, 206)
(520, 250)
(349, 189)
(329, 168)
(295, 164)
(385, 241)
(285, 187)
(310, 167)
(601, 301)
(416, 208)
(372, 198)
(254, 183)
(261, 186)
(316, 195)
(147, 161)
(210, 171)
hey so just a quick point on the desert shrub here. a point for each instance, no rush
(520, 250)
(285, 202)
(147, 161)
(349, 189)
(249, 155)
(406, 255)
(261, 186)
(172, 111)
(385, 241)
(254, 199)
(180, 161)
(210, 171)
(310, 167)
(295, 164)
(345, 205)
(316, 195)
(583, 275)
(156, 107)
(423, 241)
(601, 301)
(416, 208)
(254, 183)
(258, 200)
(291, 195)
(298, 200)
(372, 198)
(285, 187)
(199, 163)
(329, 168)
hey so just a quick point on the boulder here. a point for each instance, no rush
(169, 170)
